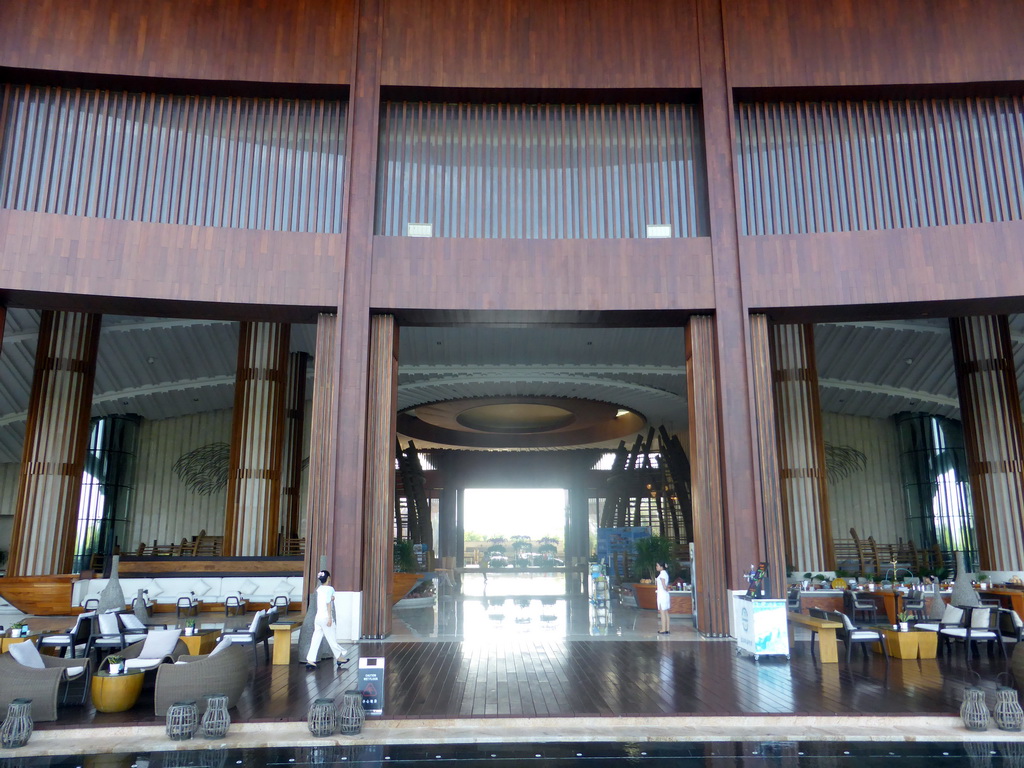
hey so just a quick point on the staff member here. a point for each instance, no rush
(323, 624)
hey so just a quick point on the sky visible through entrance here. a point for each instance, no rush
(508, 512)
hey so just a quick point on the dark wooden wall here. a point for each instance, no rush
(540, 44)
(785, 43)
(299, 41)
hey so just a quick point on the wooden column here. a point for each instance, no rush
(354, 304)
(804, 493)
(257, 434)
(764, 410)
(291, 452)
(993, 435)
(56, 435)
(322, 448)
(378, 523)
(709, 535)
(740, 472)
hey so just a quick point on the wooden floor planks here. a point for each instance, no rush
(541, 677)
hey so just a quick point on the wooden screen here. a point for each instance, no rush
(541, 171)
(249, 163)
(845, 166)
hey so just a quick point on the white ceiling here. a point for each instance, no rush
(162, 368)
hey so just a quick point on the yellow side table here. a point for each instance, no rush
(116, 693)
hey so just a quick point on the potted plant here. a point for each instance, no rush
(983, 580)
(190, 626)
(904, 620)
(18, 628)
(115, 664)
(648, 552)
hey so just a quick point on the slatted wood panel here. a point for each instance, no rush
(773, 520)
(378, 529)
(801, 454)
(993, 435)
(294, 444)
(706, 482)
(541, 171)
(56, 435)
(546, 676)
(257, 434)
(849, 165)
(322, 430)
(246, 163)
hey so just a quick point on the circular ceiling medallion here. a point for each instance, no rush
(518, 422)
(515, 418)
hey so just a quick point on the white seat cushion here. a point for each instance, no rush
(27, 655)
(73, 672)
(929, 627)
(159, 643)
(861, 634)
(976, 634)
(224, 643)
(143, 663)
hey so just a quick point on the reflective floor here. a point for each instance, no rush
(795, 754)
(518, 604)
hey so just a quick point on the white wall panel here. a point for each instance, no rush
(166, 509)
(869, 500)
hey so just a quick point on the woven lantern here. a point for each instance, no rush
(182, 720)
(352, 714)
(17, 728)
(1008, 714)
(216, 718)
(973, 710)
(323, 717)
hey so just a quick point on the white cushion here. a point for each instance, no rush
(109, 624)
(72, 672)
(142, 663)
(256, 620)
(952, 615)
(928, 627)
(131, 621)
(976, 634)
(224, 643)
(847, 624)
(159, 643)
(27, 655)
(859, 634)
(980, 618)
(247, 587)
(1016, 619)
(200, 587)
(284, 587)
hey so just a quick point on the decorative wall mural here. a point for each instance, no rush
(204, 470)
(841, 461)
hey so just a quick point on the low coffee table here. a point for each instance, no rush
(116, 693)
(913, 644)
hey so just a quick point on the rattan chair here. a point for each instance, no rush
(978, 624)
(225, 671)
(257, 632)
(61, 682)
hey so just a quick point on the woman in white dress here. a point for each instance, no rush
(664, 601)
(323, 624)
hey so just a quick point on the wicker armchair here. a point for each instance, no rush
(133, 651)
(47, 687)
(226, 671)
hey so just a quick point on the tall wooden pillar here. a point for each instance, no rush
(291, 452)
(322, 448)
(993, 435)
(257, 433)
(709, 534)
(772, 517)
(378, 504)
(804, 492)
(56, 436)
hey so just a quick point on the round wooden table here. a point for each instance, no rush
(116, 693)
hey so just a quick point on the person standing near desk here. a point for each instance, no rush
(664, 600)
(323, 624)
